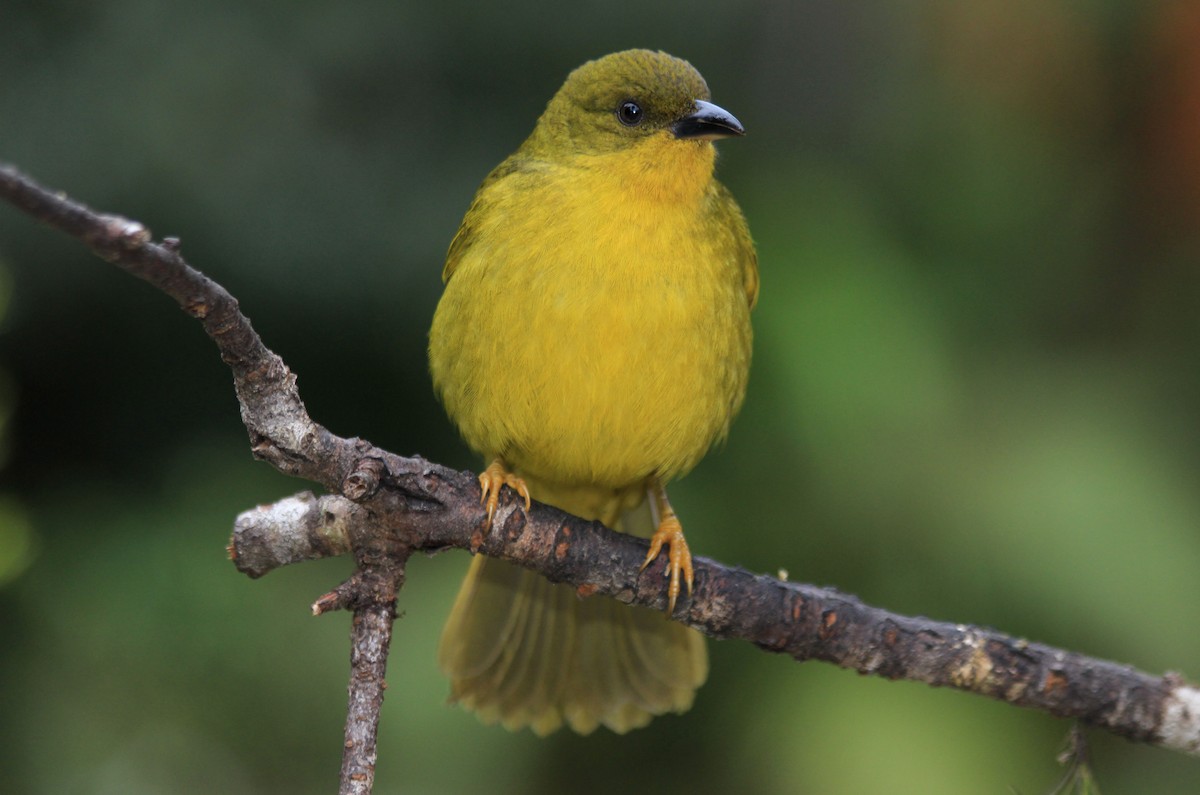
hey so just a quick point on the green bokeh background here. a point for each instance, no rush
(975, 392)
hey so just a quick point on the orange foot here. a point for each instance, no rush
(670, 532)
(491, 480)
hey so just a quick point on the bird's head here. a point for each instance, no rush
(615, 102)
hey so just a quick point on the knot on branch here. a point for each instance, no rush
(366, 588)
(118, 234)
(364, 480)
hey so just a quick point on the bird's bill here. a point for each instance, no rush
(707, 123)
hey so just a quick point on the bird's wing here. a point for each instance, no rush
(739, 240)
(480, 205)
(749, 260)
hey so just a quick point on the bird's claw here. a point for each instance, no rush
(679, 558)
(491, 480)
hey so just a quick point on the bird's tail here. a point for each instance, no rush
(522, 651)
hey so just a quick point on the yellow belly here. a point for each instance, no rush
(593, 338)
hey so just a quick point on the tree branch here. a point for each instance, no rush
(390, 506)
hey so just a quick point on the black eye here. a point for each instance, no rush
(630, 113)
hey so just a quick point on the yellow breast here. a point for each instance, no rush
(596, 328)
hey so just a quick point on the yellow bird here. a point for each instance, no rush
(592, 343)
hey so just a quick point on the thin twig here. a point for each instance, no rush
(370, 639)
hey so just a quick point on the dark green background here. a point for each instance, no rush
(975, 392)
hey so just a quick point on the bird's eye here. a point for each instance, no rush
(630, 113)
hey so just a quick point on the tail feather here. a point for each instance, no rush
(522, 651)
(526, 693)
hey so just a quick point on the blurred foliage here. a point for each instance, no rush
(975, 395)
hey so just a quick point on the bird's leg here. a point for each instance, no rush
(669, 532)
(491, 480)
